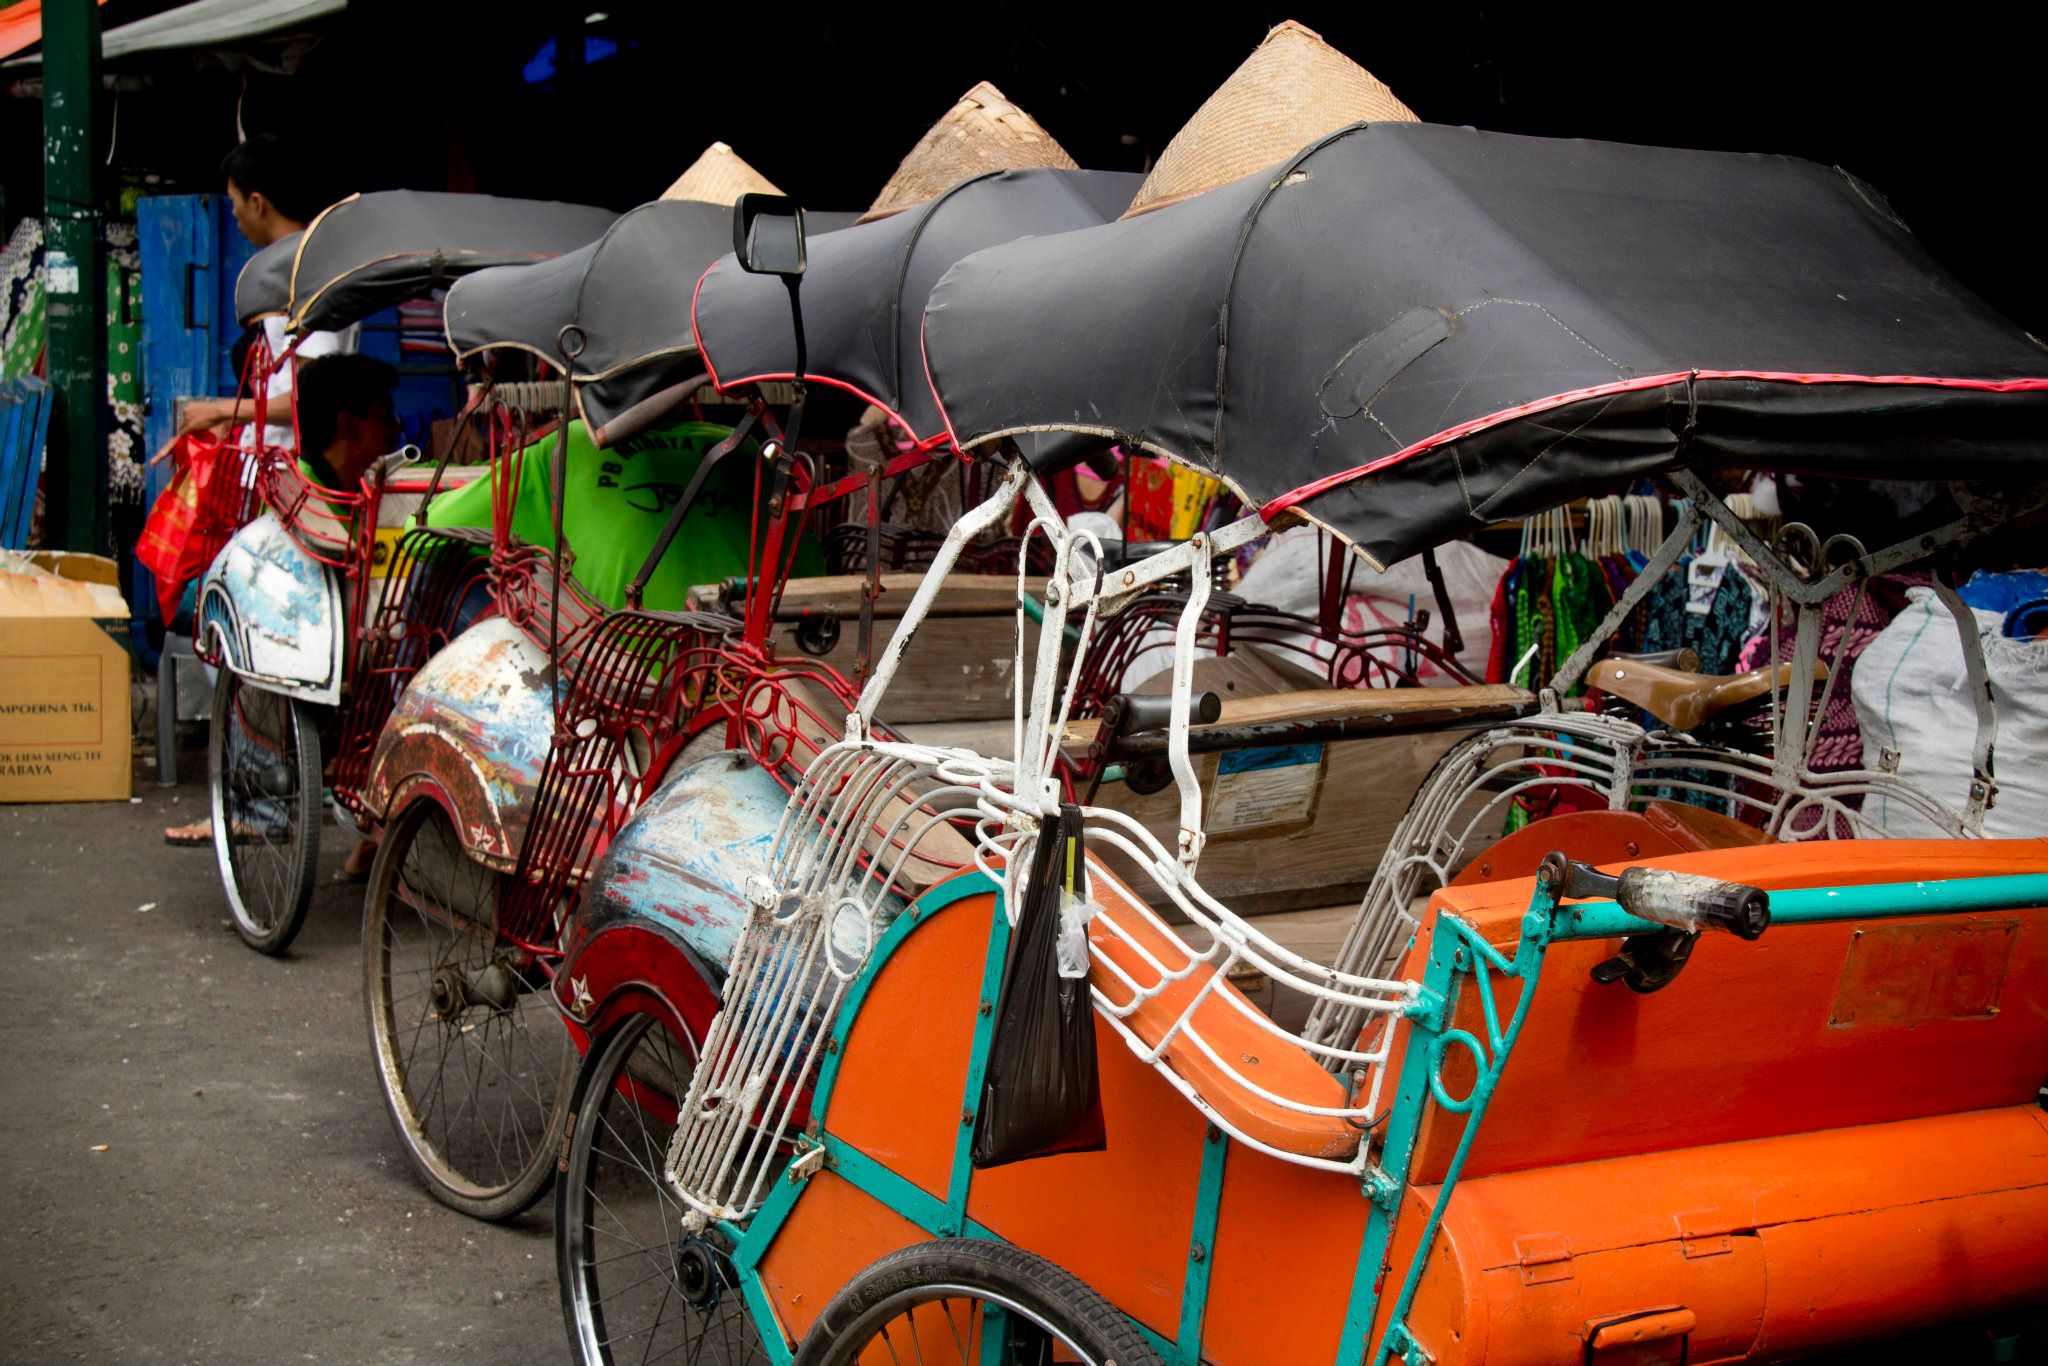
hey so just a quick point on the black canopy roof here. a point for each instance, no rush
(373, 250)
(628, 294)
(864, 288)
(1408, 329)
(265, 285)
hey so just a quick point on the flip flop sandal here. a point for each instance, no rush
(355, 877)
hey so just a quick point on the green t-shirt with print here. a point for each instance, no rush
(618, 500)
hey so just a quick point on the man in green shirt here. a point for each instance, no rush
(346, 419)
(618, 500)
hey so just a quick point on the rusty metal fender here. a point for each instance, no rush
(273, 614)
(677, 872)
(472, 731)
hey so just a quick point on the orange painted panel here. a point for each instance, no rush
(1650, 1078)
(1120, 1219)
(1774, 1245)
(1546, 1323)
(1223, 1018)
(833, 1232)
(1601, 837)
(1590, 836)
(904, 1074)
(1287, 1241)
(1953, 1262)
(1747, 1042)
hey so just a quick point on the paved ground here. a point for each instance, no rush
(197, 1164)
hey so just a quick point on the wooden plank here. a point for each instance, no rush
(1314, 932)
(1343, 704)
(1355, 794)
(956, 669)
(995, 737)
(839, 595)
(1364, 706)
(1363, 790)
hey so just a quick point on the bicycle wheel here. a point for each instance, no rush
(967, 1300)
(263, 776)
(472, 1056)
(635, 1286)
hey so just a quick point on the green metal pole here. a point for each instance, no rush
(75, 277)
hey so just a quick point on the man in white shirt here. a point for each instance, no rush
(271, 201)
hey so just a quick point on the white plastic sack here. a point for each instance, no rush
(1286, 574)
(1912, 695)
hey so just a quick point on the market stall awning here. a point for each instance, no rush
(203, 23)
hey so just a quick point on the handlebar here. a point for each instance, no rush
(1686, 902)
(388, 465)
(1128, 713)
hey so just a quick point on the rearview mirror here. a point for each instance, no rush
(768, 235)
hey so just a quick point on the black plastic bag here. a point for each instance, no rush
(1041, 1095)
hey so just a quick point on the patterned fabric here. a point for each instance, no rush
(1532, 616)
(124, 368)
(1718, 634)
(21, 301)
(1501, 624)
(1553, 605)
(1840, 744)
(1620, 574)
(1583, 596)
(24, 331)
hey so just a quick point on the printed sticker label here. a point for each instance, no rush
(1259, 788)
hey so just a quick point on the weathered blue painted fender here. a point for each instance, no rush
(673, 886)
(273, 613)
(472, 731)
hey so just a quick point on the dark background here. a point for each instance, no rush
(1942, 114)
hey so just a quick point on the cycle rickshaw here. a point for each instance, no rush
(282, 609)
(1742, 1091)
(538, 774)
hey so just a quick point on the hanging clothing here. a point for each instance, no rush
(1500, 624)
(124, 376)
(23, 319)
(1717, 634)
(1840, 743)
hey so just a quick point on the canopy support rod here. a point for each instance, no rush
(75, 277)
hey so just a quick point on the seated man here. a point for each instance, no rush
(617, 502)
(346, 423)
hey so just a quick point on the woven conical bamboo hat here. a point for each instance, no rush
(1293, 89)
(983, 132)
(719, 176)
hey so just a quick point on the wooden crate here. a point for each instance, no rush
(959, 667)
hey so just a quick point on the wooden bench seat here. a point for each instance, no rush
(1330, 712)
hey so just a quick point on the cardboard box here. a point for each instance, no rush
(64, 674)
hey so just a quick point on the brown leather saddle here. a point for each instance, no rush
(1683, 699)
